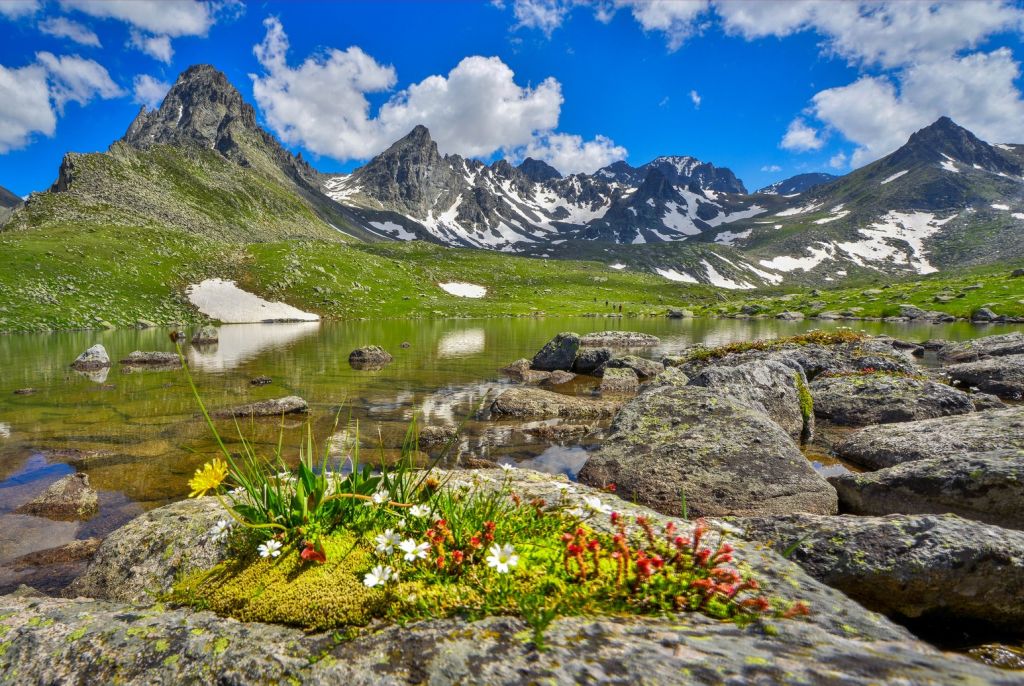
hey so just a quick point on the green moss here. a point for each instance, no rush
(76, 634)
(220, 644)
(806, 403)
(171, 660)
(161, 645)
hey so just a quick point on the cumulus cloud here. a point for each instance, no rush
(62, 27)
(75, 79)
(771, 168)
(157, 47)
(148, 90)
(837, 161)
(544, 15)
(570, 154)
(24, 106)
(476, 109)
(801, 138)
(17, 9)
(695, 99)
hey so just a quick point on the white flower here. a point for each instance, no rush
(379, 498)
(380, 575)
(412, 550)
(595, 505)
(576, 513)
(506, 467)
(502, 558)
(220, 531)
(387, 541)
(270, 549)
(419, 510)
(401, 523)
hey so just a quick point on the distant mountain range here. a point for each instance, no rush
(203, 164)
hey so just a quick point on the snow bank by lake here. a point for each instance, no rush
(224, 301)
(463, 290)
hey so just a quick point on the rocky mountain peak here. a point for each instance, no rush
(945, 140)
(538, 171)
(8, 199)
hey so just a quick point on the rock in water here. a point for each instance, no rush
(92, 359)
(433, 436)
(67, 499)
(909, 566)
(619, 380)
(206, 336)
(858, 400)
(558, 377)
(588, 360)
(369, 357)
(719, 453)
(292, 404)
(773, 387)
(978, 348)
(534, 402)
(152, 359)
(261, 380)
(644, 368)
(558, 353)
(1002, 376)
(618, 339)
(876, 447)
(987, 487)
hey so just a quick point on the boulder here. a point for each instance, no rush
(534, 402)
(1002, 376)
(618, 339)
(858, 400)
(66, 499)
(24, 391)
(679, 313)
(369, 357)
(558, 432)
(206, 335)
(588, 360)
(49, 570)
(984, 315)
(558, 377)
(988, 487)
(912, 312)
(92, 359)
(876, 447)
(790, 316)
(987, 401)
(558, 353)
(619, 380)
(433, 436)
(978, 348)
(140, 358)
(141, 561)
(1017, 272)
(718, 453)
(261, 380)
(520, 371)
(908, 566)
(672, 376)
(291, 404)
(774, 388)
(644, 368)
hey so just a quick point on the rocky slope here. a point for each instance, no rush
(8, 203)
(801, 183)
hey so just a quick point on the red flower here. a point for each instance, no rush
(610, 487)
(457, 557)
(311, 554)
(616, 517)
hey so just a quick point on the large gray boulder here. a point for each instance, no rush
(66, 499)
(369, 357)
(535, 402)
(92, 359)
(858, 400)
(988, 487)
(619, 339)
(875, 447)
(558, 353)
(720, 454)
(141, 358)
(206, 335)
(988, 346)
(291, 404)
(643, 367)
(908, 565)
(1002, 376)
(619, 380)
(588, 360)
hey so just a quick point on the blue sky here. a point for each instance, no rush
(768, 89)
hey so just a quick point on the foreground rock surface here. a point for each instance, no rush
(291, 404)
(722, 455)
(1002, 376)
(619, 380)
(979, 348)
(912, 566)
(859, 400)
(66, 499)
(987, 487)
(978, 432)
(534, 402)
(85, 641)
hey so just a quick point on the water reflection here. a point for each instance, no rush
(5, 430)
(241, 343)
(95, 375)
(462, 343)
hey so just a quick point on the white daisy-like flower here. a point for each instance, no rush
(594, 504)
(502, 558)
(419, 510)
(413, 551)
(506, 467)
(270, 549)
(576, 512)
(401, 523)
(220, 530)
(379, 576)
(387, 541)
(379, 497)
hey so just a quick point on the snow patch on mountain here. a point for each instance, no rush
(893, 177)
(463, 289)
(674, 275)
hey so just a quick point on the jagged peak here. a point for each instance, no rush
(538, 171)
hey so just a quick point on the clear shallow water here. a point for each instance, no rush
(138, 437)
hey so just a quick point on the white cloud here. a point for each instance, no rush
(977, 91)
(75, 79)
(474, 110)
(801, 138)
(544, 15)
(838, 161)
(159, 17)
(157, 47)
(24, 106)
(148, 90)
(695, 99)
(62, 27)
(569, 153)
(16, 9)
(771, 168)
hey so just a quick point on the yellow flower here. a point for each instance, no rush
(208, 477)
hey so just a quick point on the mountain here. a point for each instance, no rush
(199, 163)
(800, 183)
(9, 202)
(686, 171)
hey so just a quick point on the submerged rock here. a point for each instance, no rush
(988, 487)
(619, 380)
(876, 447)
(152, 359)
(433, 436)
(558, 377)
(1002, 376)
(720, 454)
(291, 404)
(558, 353)
(858, 400)
(66, 499)
(534, 402)
(908, 565)
(93, 359)
(261, 380)
(619, 339)
(370, 357)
